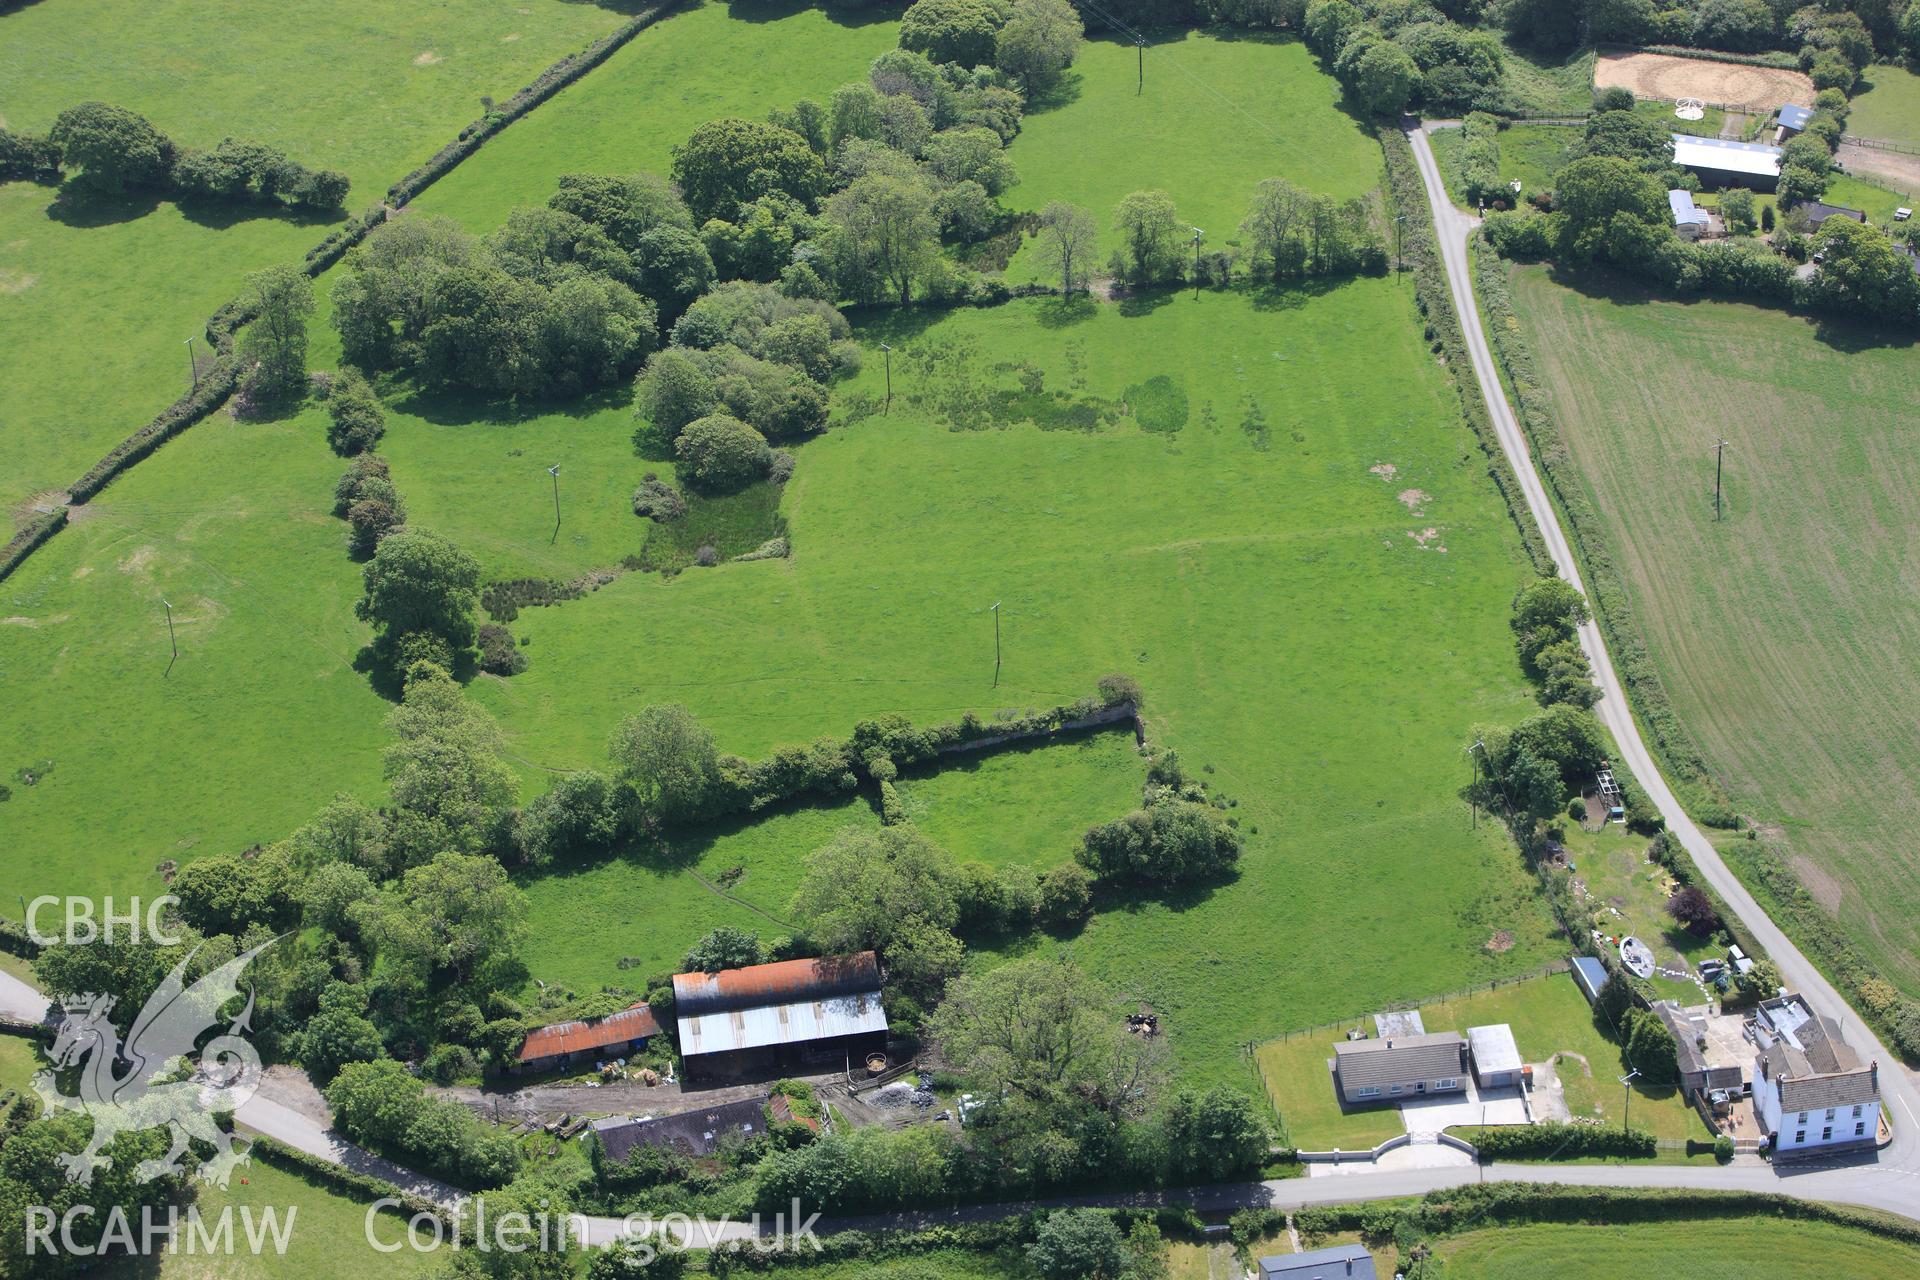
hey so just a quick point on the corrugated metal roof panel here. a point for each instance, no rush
(794, 1023)
(784, 982)
(635, 1023)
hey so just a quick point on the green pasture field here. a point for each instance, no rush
(1532, 153)
(1781, 632)
(1886, 105)
(633, 916)
(327, 1241)
(1218, 115)
(1549, 1017)
(102, 296)
(262, 718)
(1752, 1248)
(708, 61)
(1287, 627)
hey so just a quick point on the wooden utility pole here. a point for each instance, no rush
(996, 644)
(554, 471)
(1140, 57)
(171, 640)
(887, 351)
(1719, 452)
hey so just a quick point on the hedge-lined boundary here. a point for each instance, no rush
(340, 1178)
(1491, 1204)
(1606, 585)
(219, 382)
(28, 540)
(1552, 1140)
(1421, 248)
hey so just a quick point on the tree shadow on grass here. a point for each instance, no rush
(465, 408)
(1144, 302)
(78, 207)
(840, 14)
(1064, 94)
(1293, 294)
(218, 215)
(873, 324)
(1063, 313)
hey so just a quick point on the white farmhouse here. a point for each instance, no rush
(1809, 1088)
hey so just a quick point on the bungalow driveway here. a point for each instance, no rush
(1437, 1112)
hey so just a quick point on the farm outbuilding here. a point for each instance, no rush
(791, 1013)
(1722, 162)
(1689, 220)
(566, 1043)
(1496, 1058)
(1793, 119)
(1589, 975)
(691, 1133)
(1817, 212)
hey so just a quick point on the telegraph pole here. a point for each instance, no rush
(1198, 235)
(1140, 57)
(171, 640)
(887, 352)
(1719, 452)
(1473, 797)
(554, 471)
(996, 644)
(193, 366)
(1626, 1088)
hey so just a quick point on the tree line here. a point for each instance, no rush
(110, 151)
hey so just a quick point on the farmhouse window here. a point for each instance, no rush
(1800, 1137)
(1826, 1134)
(1860, 1130)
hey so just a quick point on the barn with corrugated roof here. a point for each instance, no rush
(566, 1043)
(791, 1014)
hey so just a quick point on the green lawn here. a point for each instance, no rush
(1756, 1248)
(708, 61)
(1549, 1017)
(1216, 117)
(1532, 153)
(1630, 894)
(947, 1264)
(1886, 105)
(1783, 631)
(101, 299)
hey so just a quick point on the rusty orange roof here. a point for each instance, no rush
(631, 1023)
(782, 1112)
(783, 982)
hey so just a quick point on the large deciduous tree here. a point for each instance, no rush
(669, 759)
(421, 583)
(1149, 235)
(884, 238)
(1069, 241)
(727, 161)
(1038, 43)
(275, 341)
(114, 149)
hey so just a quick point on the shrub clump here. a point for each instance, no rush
(721, 454)
(658, 501)
(357, 420)
(499, 655)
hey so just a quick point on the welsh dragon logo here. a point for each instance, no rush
(121, 1085)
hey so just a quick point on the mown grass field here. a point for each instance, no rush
(1548, 1015)
(19, 1059)
(1783, 633)
(709, 60)
(327, 1241)
(1532, 153)
(101, 298)
(1216, 117)
(1755, 1248)
(1886, 105)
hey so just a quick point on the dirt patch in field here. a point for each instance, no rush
(16, 281)
(1501, 941)
(1889, 168)
(1413, 499)
(1825, 890)
(1428, 539)
(1385, 470)
(1666, 78)
(138, 561)
(426, 59)
(510, 37)
(35, 505)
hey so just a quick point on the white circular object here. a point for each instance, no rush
(1690, 109)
